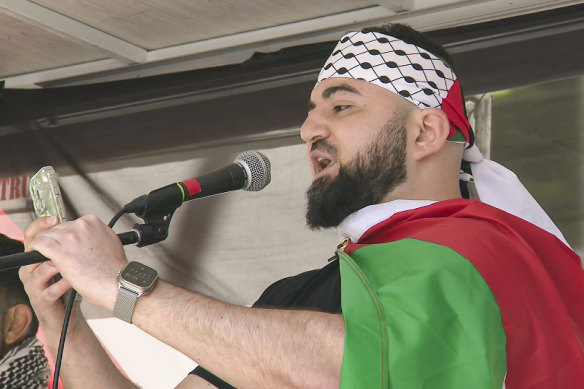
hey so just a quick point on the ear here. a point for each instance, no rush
(432, 128)
(16, 323)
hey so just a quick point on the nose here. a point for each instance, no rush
(314, 127)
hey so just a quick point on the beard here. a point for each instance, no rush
(365, 180)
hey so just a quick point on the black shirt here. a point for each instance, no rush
(318, 290)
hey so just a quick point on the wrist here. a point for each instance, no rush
(52, 326)
(134, 281)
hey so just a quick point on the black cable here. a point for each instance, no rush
(67, 318)
(116, 217)
(59, 358)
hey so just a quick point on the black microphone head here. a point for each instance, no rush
(258, 169)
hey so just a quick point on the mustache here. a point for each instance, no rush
(322, 145)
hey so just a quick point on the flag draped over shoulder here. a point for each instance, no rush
(461, 294)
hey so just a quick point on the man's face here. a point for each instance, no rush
(356, 144)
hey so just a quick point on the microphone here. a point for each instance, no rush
(249, 171)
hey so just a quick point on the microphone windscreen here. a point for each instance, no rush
(258, 169)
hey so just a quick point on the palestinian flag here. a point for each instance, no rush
(459, 294)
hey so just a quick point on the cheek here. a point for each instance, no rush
(353, 143)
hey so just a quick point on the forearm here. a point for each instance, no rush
(248, 347)
(85, 363)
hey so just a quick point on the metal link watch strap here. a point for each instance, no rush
(125, 303)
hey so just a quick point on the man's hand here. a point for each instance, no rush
(44, 295)
(86, 252)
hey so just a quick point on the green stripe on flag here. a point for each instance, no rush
(422, 313)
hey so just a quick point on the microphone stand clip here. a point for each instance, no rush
(156, 216)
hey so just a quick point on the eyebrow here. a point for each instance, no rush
(329, 92)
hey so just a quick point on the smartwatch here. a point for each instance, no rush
(134, 280)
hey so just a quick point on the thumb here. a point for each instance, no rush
(37, 226)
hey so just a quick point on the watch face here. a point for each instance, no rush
(139, 275)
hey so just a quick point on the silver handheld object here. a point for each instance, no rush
(46, 194)
(48, 201)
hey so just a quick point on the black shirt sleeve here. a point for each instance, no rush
(211, 378)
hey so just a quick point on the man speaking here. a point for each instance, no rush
(429, 290)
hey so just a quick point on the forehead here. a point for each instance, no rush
(363, 89)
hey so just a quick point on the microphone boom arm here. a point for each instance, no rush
(250, 171)
(28, 258)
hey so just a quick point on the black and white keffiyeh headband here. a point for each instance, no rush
(404, 69)
(425, 80)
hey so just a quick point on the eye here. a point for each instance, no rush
(341, 107)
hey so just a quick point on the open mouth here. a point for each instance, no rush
(323, 162)
(323, 165)
(323, 156)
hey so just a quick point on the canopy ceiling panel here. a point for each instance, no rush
(113, 40)
(162, 23)
(43, 48)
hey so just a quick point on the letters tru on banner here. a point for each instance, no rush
(14, 193)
